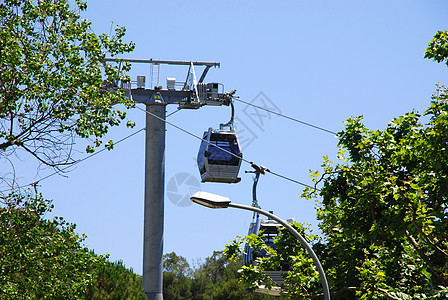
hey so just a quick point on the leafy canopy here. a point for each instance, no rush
(54, 88)
(46, 259)
(41, 258)
(51, 80)
(215, 278)
(301, 278)
(383, 210)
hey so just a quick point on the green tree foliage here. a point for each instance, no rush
(387, 203)
(176, 277)
(112, 280)
(45, 259)
(40, 258)
(51, 80)
(383, 209)
(216, 278)
(289, 257)
(178, 265)
(438, 48)
(54, 87)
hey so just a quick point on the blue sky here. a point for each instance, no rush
(318, 61)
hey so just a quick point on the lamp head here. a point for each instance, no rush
(210, 200)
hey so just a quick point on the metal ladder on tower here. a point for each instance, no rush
(155, 71)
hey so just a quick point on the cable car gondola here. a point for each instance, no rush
(219, 156)
(269, 229)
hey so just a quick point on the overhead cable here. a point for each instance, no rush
(189, 133)
(170, 114)
(293, 180)
(285, 116)
(85, 158)
(222, 149)
(75, 163)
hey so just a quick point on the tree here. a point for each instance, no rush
(299, 272)
(216, 278)
(383, 208)
(52, 91)
(112, 280)
(178, 265)
(51, 80)
(438, 47)
(41, 258)
(45, 259)
(176, 277)
(387, 204)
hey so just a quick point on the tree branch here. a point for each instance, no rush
(426, 259)
(388, 295)
(340, 291)
(422, 233)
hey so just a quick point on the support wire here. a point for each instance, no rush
(224, 150)
(74, 164)
(285, 116)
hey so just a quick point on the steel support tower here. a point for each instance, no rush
(192, 95)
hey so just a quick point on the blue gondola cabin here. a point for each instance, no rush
(219, 157)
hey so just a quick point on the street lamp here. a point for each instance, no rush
(215, 201)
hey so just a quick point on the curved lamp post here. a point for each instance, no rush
(215, 201)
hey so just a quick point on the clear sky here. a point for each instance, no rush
(318, 61)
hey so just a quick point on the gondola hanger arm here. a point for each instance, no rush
(258, 169)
